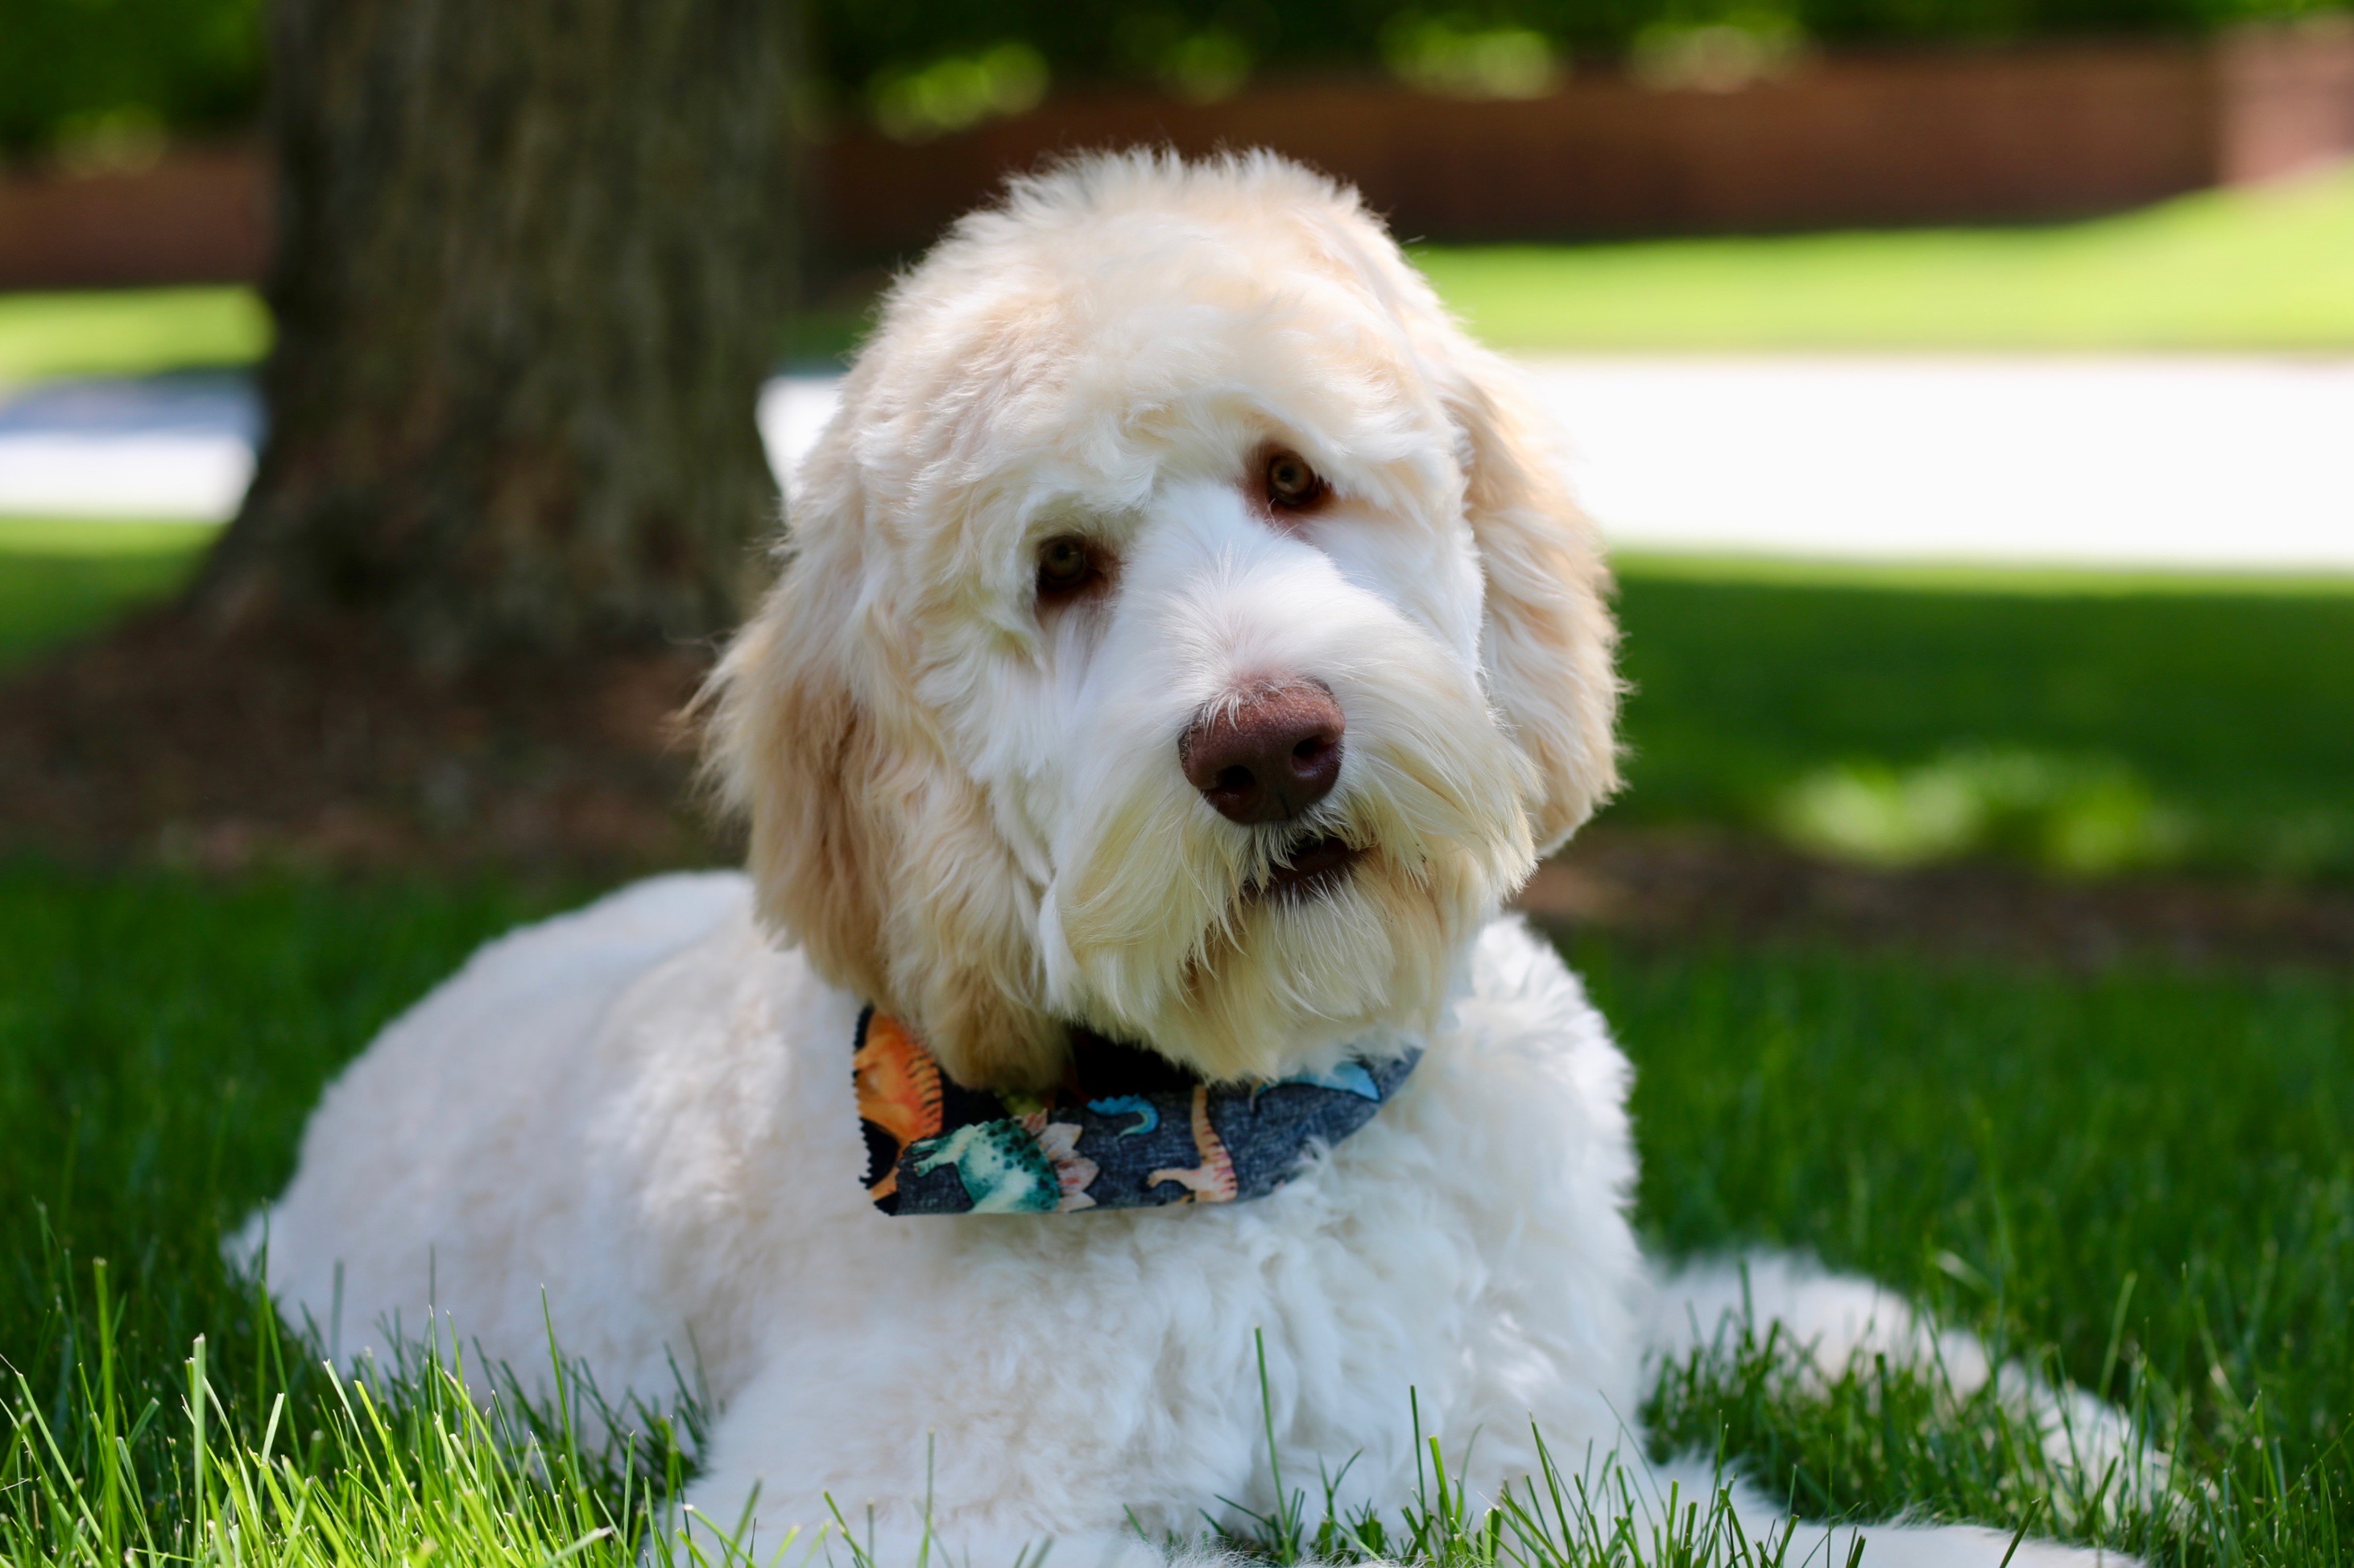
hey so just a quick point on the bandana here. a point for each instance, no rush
(1125, 1129)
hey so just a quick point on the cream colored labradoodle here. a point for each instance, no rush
(1184, 638)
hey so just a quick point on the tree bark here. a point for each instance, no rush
(530, 270)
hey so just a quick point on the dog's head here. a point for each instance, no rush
(1185, 631)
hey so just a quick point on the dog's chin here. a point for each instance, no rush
(1252, 957)
(1334, 943)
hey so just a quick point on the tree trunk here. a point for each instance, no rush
(530, 269)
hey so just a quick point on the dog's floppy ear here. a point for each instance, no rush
(868, 847)
(1549, 634)
(788, 747)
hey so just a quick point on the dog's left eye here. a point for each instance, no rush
(1066, 567)
(1291, 482)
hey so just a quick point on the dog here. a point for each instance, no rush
(1185, 642)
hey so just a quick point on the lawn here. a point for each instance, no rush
(2074, 720)
(60, 575)
(128, 331)
(2147, 1177)
(2264, 269)
(2260, 270)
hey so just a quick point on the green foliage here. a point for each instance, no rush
(1441, 55)
(957, 91)
(105, 77)
(1440, 47)
(108, 77)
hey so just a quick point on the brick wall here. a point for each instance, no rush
(199, 216)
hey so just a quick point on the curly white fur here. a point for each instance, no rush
(966, 807)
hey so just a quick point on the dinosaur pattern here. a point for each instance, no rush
(998, 1163)
(1213, 1181)
(1126, 1128)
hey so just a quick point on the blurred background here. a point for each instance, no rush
(1933, 368)
(395, 395)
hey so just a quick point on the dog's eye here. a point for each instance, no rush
(1065, 566)
(1291, 482)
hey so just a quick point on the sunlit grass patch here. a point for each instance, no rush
(2086, 815)
(160, 1042)
(2006, 579)
(2270, 267)
(437, 1458)
(129, 331)
(316, 1466)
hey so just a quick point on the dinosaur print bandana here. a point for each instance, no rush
(1126, 1129)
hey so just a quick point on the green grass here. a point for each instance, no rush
(2212, 721)
(159, 1044)
(129, 331)
(61, 577)
(2270, 267)
(2151, 1174)
(2145, 1180)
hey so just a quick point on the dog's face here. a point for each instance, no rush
(1183, 636)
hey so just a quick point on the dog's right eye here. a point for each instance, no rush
(1066, 568)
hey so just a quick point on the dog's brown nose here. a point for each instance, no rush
(1268, 756)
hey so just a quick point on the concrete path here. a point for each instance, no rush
(158, 447)
(2221, 463)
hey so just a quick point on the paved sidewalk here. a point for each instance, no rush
(158, 447)
(2219, 463)
(2222, 463)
